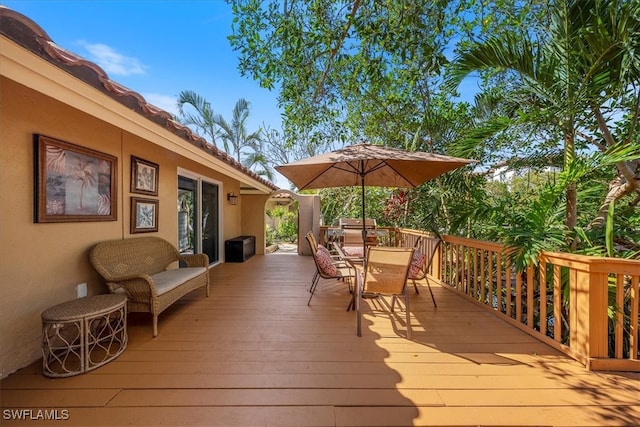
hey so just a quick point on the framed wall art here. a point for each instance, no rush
(144, 215)
(73, 183)
(144, 176)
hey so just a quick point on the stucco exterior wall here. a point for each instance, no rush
(252, 219)
(41, 264)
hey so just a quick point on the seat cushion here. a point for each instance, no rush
(172, 278)
(353, 251)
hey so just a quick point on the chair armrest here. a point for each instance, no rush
(138, 287)
(195, 260)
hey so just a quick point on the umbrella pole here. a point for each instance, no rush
(360, 283)
(364, 225)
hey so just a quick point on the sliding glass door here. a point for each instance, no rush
(210, 221)
(199, 216)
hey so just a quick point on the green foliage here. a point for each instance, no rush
(287, 224)
(559, 82)
(271, 235)
(351, 70)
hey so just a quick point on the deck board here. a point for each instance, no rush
(254, 353)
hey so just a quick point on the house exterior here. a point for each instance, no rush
(46, 91)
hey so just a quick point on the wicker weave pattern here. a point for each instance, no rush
(129, 264)
(84, 334)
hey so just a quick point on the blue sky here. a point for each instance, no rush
(158, 49)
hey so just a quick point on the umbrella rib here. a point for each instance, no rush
(384, 163)
(305, 186)
(361, 171)
(401, 175)
(377, 166)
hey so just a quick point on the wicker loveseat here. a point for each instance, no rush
(146, 269)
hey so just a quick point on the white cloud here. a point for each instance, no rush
(166, 102)
(113, 62)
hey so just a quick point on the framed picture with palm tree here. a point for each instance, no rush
(73, 183)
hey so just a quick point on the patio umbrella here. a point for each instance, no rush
(368, 165)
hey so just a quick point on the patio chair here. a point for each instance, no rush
(385, 273)
(421, 264)
(314, 246)
(328, 268)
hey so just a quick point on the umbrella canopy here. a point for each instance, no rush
(370, 165)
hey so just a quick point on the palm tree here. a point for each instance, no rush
(203, 120)
(260, 164)
(82, 171)
(587, 62)
(235, 135)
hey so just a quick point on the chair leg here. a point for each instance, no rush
(313, 288)
(431, 292)
(155, 325)
(352, 302)
(358, 296)
(415, 286)
(315, 276)
(408, 313)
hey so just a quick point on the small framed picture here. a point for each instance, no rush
(144, 215)
(144, 176)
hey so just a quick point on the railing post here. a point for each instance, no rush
(588, 305)
(436, 264)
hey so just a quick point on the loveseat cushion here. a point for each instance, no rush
(172, 278)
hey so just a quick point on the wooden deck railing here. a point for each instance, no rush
(586, 307)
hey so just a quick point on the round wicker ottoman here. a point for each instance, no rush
(83, 334)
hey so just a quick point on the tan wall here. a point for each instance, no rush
(41, 264)
(252, 218)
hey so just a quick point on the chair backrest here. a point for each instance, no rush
(422, 260)
(314, 241)
(136, 255)
(311, 240)
(387, 269)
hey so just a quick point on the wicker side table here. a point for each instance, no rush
(83, 334)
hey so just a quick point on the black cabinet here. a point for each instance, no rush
(239, 249)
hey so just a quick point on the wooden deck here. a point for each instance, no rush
(254, 354)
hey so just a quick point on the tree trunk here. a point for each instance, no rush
(618, 188)
(571, 209)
